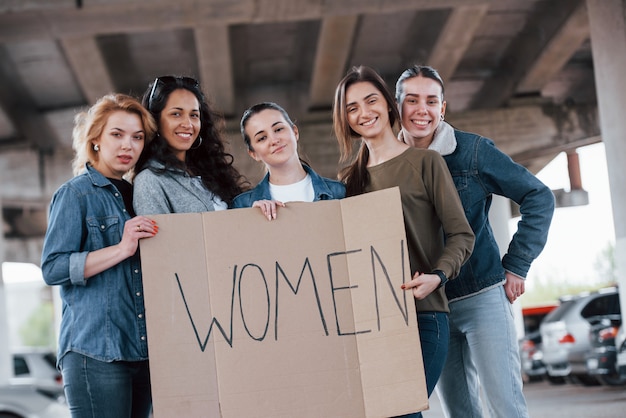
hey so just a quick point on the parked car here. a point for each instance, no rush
(620, 346)
(565, 333)
(531, 357)
(531, 354)
(602, 358)
(28, 401)
(37, 366)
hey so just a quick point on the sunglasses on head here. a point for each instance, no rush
(170, 79)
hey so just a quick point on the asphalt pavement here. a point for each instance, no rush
(546, 400)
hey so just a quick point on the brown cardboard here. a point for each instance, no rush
(340, 342)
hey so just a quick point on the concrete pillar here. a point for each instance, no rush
(608, 42)
(499, 216)
(5, 355)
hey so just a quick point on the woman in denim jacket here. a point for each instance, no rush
(272, 137)
(483, 342)
(91, 251)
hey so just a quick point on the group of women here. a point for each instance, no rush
(172, 142)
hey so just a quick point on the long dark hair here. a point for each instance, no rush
(355, 175)
(207, 157)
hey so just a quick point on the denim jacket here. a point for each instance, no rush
(103, 317)
(324, 189)
(480, 170)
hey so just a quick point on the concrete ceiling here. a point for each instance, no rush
(518, 71)
(58, 56)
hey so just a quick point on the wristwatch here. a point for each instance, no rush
(442, 276)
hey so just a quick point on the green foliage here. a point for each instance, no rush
(38, 329)
(547, 291)
(605, 263)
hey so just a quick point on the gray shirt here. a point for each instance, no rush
(171, 191)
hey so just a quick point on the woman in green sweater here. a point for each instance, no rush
(439, 238)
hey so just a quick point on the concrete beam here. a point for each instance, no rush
(455, 37)
(532, 131)
(554, 56)
(21, 109)
(333, 48)
(87, 63)
(215, 65)
(41, 19)
(62, 123)
(523, 52)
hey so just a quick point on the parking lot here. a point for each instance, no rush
(546, 400)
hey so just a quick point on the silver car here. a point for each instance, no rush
(37, 366)
(565, 333)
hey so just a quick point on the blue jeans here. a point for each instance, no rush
(434, 332)
(483, 347)
(95, 388)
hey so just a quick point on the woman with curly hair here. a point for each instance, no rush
(186, 168)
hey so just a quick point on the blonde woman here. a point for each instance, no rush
(90, 251)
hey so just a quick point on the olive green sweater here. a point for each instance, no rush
(438, 234)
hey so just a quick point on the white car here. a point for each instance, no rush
(37, 366)
(27, 401)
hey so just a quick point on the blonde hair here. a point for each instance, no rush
(89, 125)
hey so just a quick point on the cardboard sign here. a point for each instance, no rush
(302, 316)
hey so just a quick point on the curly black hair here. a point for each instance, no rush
(208, 158)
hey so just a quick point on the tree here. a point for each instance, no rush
(38, 330)
(605, 264)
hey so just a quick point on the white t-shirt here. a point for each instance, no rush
(301, 191)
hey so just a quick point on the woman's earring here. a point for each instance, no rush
(442, 116)
(96, 148)
(199, 143)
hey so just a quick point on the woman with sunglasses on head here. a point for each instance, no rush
(91, 251)
(272, 137)
(439, 239)
(483, 340)
(186, 168)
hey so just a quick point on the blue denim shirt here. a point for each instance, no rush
(324, 189)
(103, 317)
(480, 170)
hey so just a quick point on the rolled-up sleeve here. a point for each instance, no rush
(62, 259)
(77, 268)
